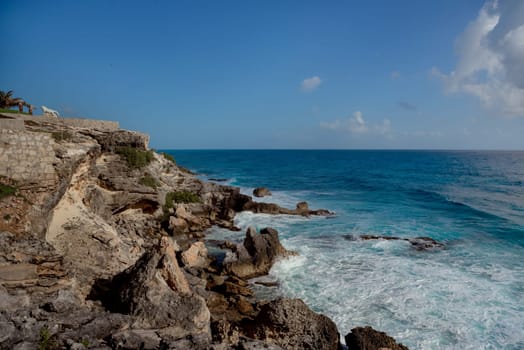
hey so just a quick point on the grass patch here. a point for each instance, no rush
(136, 158)
(180, 197)
(16, 111)
(6, 191)
(168, 157)
(149, 181)
(63, 135)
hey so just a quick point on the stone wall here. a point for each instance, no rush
(104, 125)
(27, 157)
(12, 124)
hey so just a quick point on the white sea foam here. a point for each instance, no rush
(423, 299)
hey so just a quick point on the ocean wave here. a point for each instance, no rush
(428, 303)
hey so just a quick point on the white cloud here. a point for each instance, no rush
(357, 125)
(310, 84)
(491, 58)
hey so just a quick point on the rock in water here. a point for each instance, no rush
(425, 243)
(290, 324)
(257, 254)
(366, 338)
(261, 192)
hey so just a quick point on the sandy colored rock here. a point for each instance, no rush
(196, 256)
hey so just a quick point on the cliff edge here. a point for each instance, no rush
(101, 247)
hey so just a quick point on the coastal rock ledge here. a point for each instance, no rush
(102, 247)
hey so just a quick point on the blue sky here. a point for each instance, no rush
(277, 74)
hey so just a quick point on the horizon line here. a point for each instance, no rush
(345, 149)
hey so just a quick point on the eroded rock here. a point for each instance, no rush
(290, 324)
(366, 338)
(156, 293)
(257, 254)
(196, 256)
(261, 192)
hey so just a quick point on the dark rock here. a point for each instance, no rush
(249, 344)
(217, 179)
(290, 324)
(231, 288)
(274, 209)
(425, 243)
(257, 254)
(419, 243)
(261, 192)
(366, 338)
(302, 206)
(131, 339)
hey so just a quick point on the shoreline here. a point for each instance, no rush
(115, 233)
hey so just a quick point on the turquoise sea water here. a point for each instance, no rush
(469, 295)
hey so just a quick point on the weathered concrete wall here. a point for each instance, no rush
(27, 157)
(104, 125)
(12, 124)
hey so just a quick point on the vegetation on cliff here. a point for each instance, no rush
(136, 158)
(6, 190)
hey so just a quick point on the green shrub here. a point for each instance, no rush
(6, 190)
(180, 197)
(168, 157)
(149, 181)
(63, 135)
(46, 342)
(136, 158)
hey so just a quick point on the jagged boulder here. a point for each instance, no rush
(290, 324)
(257, 254)
(196, 256)
(156, 293)
(366, 338)
(261, 192)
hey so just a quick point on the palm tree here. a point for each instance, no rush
(7, 100)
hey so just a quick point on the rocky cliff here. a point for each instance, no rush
(101, 248)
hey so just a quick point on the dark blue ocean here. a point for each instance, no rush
(469, 295)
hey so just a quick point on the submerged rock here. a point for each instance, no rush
(366, 338)
(419, 243)
(425, 243)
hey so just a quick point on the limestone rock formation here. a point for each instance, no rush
(290, 324)
(366, 338)
(261, 192)
(257, 253)
(156, 293)
(92, 252)
(196, 256)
